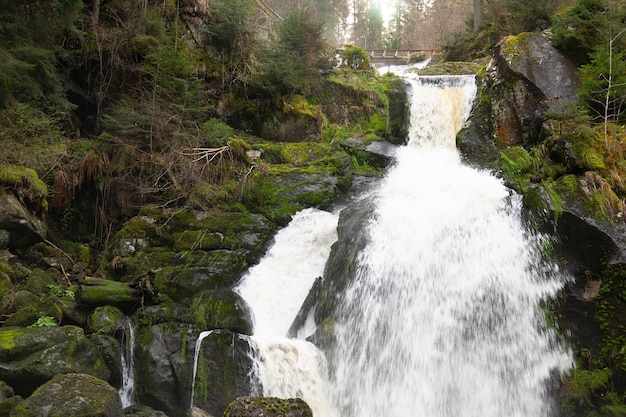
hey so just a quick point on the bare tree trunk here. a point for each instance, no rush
(478, 14)
(95, 12)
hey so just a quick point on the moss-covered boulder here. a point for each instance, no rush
(159, 243)
(102, 292)
(23, 308)
(268, 407)
(291, 190)
(224, 371)
(77, 395)
(31, 356)
(106, 320)
(202, 271)
(164, 365)
(222, 309)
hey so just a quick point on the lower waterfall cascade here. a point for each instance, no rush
(127, 358)
(444, 316)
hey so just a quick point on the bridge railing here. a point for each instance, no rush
(396, 53)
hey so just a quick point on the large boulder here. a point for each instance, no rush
(30, 357)
(164, 365)
(165, 369)
(224, 371)
(526, 78)
(268, 407)
(21, 228)
(76, 395)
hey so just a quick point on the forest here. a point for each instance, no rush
(116, 111)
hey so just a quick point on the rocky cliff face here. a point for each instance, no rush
(526, 78)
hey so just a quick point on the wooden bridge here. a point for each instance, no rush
(398, 56)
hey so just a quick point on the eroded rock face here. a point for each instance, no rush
(20, 228)
(77, 395)
(526, 78)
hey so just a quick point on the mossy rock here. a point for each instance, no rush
(76, 395)
(106, 320)
(269, 407)
(26, 184)
(39, 281)
(26, 308)
(202, 271)
(291, 190)
(101, 292)
(222, 309)
(197, 239)
(32, 356)
(165, 312)
(140, 410)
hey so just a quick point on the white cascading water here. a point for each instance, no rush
(443, 318)
(196, 356)
(127, 359)
(275, 290)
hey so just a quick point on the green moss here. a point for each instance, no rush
(516, 165)
(300, 105)
(586, 384)
(451, 68)
(25, 182)
(197, 239)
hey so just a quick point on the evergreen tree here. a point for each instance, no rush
(32, 33)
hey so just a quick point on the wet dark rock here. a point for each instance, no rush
(225, 371)
(164, 360)
(21, 228)
(341, 265)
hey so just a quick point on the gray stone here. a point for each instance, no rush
(24, 227)
(76, 395)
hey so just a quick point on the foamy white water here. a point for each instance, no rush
(443, 318)
(126, 391)
(275, 289)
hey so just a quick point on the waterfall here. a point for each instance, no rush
(127, 358)
(275, 290)
(196, 356)
(443, 317)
